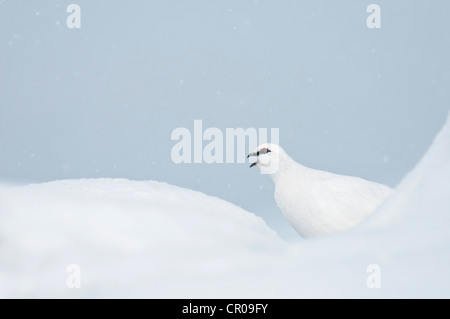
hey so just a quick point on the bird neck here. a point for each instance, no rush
(286, 165)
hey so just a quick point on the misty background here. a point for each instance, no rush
(103, 100)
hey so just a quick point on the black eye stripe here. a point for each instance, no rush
(263, 151)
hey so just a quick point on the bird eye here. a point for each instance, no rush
(263, 151)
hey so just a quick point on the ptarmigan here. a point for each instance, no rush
(314, 202)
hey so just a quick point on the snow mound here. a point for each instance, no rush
(153, 240)
(117, 231)
(423, 196)
(408, 236)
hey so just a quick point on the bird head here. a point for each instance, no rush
(267, 158)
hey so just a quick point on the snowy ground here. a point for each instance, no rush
(154, 240)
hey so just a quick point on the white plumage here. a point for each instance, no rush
(314, 202)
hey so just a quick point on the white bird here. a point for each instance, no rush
(317, 203)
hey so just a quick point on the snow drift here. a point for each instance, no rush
(122, 234)
(149, 239)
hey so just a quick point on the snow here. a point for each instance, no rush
(118, 230)
(154, 240)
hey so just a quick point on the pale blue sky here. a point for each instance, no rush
(102, 101)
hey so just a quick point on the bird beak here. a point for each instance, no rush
(253, 154)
